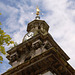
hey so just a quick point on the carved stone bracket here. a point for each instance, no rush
(37, 44)
(47, 45)
(14, 57)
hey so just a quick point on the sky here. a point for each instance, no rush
(59, 15)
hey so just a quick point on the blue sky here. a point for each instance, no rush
(59, 14)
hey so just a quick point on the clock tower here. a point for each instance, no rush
(38, 54)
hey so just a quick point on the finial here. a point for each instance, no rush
(37, 13)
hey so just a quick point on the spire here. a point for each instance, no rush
(37, 13)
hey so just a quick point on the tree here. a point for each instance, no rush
(15, 44)
(0, 22)
(5, 39)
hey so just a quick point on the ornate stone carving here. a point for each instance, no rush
(47, 45)
(14, 57)
(36, 44)
(37, 23)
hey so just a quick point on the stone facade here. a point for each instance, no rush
(38, 54)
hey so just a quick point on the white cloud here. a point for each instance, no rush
(62, 25)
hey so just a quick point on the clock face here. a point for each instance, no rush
(28, 36)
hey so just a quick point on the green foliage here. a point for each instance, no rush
(15, 44)
(0, 22)
(5, 39)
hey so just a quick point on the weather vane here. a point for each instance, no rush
(37, 13)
